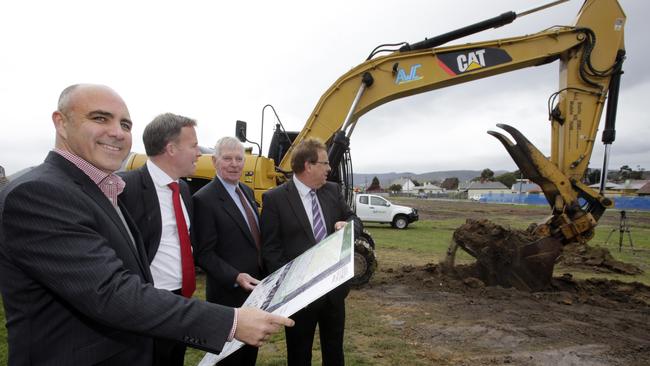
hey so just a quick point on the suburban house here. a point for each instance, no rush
(407, 185)
(525, 186)
(477, 189)
(429, 188)
(628, 187)
(645, 190)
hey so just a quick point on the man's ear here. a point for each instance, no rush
(60, 122)
(170, 148)
(214, 162)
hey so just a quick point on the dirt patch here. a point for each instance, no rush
(454, 318)
(594, 258)
(522, 259)
(457, 320)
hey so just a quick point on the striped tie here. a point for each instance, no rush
(319, 225)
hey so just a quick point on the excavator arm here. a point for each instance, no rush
(590, 55)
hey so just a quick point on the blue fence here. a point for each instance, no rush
(620, 202)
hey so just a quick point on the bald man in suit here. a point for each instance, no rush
(74, 276)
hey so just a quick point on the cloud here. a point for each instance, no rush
(222, 62)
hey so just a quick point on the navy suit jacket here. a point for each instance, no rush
(286, 231)
(75, 288)
(224, 245)
(141, 200)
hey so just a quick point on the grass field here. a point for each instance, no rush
(370, 339)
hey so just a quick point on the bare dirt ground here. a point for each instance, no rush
(456, 320)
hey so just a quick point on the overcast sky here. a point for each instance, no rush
(219, 62)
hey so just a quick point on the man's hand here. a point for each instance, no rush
(339, 225)
(246, 281)
(255, 326)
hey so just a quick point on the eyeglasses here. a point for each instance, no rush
(321, 162)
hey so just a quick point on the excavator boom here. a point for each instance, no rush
(590, 55)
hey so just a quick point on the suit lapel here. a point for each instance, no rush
(150, 201)
(93, 191)
(299, 209)
(232, 210)
(143, 261)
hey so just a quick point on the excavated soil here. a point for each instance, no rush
(455, 319)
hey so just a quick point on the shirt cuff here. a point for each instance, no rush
(231, 336)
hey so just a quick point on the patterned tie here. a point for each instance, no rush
(319, 225)
(187, 261)
(252, 224)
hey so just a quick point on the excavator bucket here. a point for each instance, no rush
(532, 267)
(507, 257)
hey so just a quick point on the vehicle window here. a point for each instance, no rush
(363, 199)
(378, 201)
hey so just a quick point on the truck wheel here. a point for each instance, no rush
(365, 263)
(400, 222)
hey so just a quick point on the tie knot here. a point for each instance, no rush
(312, 193)
(173, 186)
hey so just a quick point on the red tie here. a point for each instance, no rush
(252, 224)
(187, 261)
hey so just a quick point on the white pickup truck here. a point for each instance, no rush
(373, 208)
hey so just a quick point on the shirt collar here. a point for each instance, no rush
(158, 176)
(110, 184)
(303, 190)
(229, 187)
(95, 174)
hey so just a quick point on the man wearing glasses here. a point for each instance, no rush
(296, 216)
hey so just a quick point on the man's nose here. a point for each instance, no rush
(116, 130)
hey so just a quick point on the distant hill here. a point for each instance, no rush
(386, 178)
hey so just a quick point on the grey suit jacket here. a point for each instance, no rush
(76, 290)
(224, 245)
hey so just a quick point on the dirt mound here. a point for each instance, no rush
(506, 257)
(596, 258)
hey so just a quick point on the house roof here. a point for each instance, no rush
(645, 189)
(635, 184)
(525, 187)
(486, 185)
(430, 186)
(402, 181)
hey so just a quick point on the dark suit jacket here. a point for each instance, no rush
(224, 245)
(286, 232)
(141, 200)
(76, 290)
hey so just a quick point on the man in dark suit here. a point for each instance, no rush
(227, 236)
(172, 147)
(74, 276)
(295, 217)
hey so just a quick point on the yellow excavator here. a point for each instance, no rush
(590, 55)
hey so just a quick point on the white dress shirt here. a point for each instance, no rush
(166, 267)
(305, 197)
(231, 189)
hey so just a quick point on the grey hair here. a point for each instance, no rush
(227, 143)
(162, 130)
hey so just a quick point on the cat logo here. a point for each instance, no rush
(455, 63)
(471, 61)
(403, 78)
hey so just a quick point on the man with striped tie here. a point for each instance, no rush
(295, 217)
